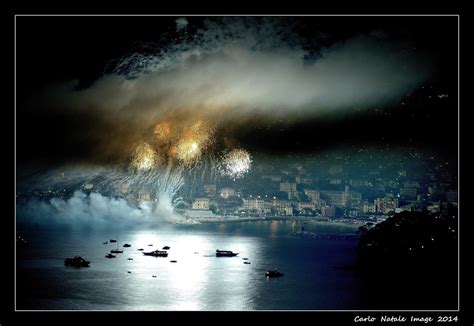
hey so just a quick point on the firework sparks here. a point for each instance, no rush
(235, 163)
(196, 139)
(144, 157)
(188, 151)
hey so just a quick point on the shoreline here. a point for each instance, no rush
(339, 223)
(346, 224)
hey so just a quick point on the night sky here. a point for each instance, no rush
(57, 52)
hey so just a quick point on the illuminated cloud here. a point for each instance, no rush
(234, 69)
(219, 75)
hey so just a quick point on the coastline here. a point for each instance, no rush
(339, 223)
(352, 224)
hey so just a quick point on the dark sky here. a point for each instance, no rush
(59, 49)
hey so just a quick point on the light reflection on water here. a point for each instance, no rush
(198, 280)
(274, 228)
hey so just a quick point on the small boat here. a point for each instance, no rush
(113, 240)
(129, 258)
(156, 253)
(173, 261)
(274, 273)
(140, 249)
(247, 262)
(127, 245)
(166, 248)
(129, 272)
(153, 276)
(109, 255)
(244, 258)
(77, 261)
(225, 253)
(105, 242)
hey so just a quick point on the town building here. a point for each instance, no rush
(305, 205)
(201, 204)
(313, 195)
(386, 204)
(287, 186)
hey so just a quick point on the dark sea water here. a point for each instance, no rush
(315, 277)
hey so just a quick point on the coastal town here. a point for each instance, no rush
(337, 188)
(353, 188)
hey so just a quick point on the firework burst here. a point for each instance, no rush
(195, 140)
(144, 157)
(235, 163)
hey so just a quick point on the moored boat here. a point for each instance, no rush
(225, 253)
(77, 261)
(156, 253)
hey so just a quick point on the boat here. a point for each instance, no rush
(225, 253)
(129, 258)
(166, 248)
(127, 245)
(274, 273)
(109, 255)
(156, 253)
(77, 261)
(112, 240)
(105, 242)
(140, 249)
(173, 261)
(247, 262)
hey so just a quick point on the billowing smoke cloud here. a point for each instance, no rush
(231, 70)
(91, 210)
(94, 196)
(220, 74)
